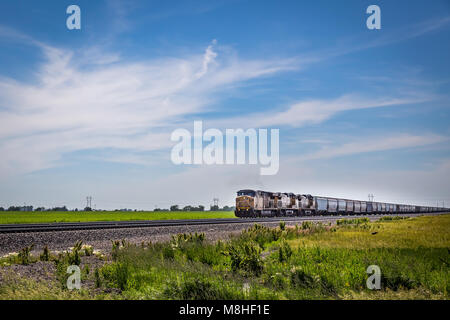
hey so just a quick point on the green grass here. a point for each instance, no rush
(423, 232)
(7, 217)
(310, 261)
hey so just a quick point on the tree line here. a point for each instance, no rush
(175, 207)
(64, 208)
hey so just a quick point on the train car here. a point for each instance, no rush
(332, 205)
(321, 205)
(258, 203)
(350, 206)
(342, 206)
(307, 204)
(369, 207)
(363, 207)
(356, 207)
(291, 205)
(245, 203)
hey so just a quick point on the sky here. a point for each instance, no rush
(90, 112)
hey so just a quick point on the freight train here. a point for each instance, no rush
(257, 203)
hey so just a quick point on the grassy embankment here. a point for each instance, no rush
(86, 216)
(310, 261)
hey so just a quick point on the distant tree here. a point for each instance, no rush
(63, 208)
(199, 208)
(39, 209)
(13, 208)
(76, 209)
(226, 208)
(187, 208)
(87, 209)
(2, 209)
(174, 208)
(214, 208)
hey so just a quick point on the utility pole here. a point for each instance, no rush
(215, 206)
(89, 202)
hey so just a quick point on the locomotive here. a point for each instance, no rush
(258, 203)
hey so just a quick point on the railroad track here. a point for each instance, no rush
(67, 226)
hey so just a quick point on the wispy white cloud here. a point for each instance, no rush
(374, 144)
(208, 58)
(316, 111)
(78, 103)
(410, 31)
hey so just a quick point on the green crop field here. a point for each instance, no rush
(86, 216)
(308, 261)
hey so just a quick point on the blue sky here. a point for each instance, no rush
(90, 111)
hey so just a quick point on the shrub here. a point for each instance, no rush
(61, 270)
(73, 257)
(180, 239)
(246, 256)
(98, 280)
(117, 274)
(168, 252)
(24, 256)
(284, 252)
(115, 249)
(45, 255)
(86, 269)
(261, 235)
(87, 250)
(306, 225)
